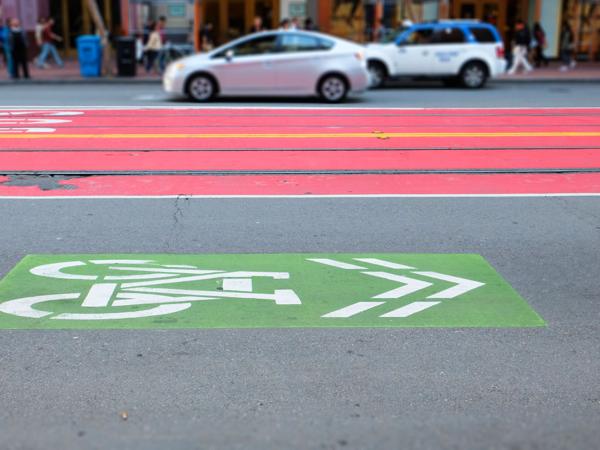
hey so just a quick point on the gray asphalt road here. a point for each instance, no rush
(500, 94)
(307, 388)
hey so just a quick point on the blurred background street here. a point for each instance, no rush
(154, 139)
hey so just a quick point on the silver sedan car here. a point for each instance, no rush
(297, 63)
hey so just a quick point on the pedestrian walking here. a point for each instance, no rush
(206, 37)
(284, 25)
(257, 25)
(153, 48)
(380, 33)
(539, 36)
(39, 28)
(522, 40)
(309, 25)
(5, 46)
(567, 46)
(18, 47)
(48, 47)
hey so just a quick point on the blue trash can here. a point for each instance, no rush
(89, 52)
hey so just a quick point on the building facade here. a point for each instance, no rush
(353, 19)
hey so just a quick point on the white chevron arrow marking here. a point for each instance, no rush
(410, 309)
(383, 263)
(463, 285)
(352, 310)
(411, 284)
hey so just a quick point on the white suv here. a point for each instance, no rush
(457, 52)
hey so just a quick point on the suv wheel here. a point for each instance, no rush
(473, 75)
(377, 73)
(333, 88)
(201, 88)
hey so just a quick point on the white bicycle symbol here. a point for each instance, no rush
(142, 286)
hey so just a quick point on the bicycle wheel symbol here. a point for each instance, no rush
(141, 286)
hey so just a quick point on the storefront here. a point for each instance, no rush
(233, 18)
(584, 19)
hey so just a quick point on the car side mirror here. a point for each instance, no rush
(229, 55)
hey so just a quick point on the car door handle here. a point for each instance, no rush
(425, 53)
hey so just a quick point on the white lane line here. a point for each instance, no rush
(463, 285)
(237, 284)
(338, 264)
(411, 285)
(99, 295)
(383, 263)
(300, 197)
(410, 309)
(352, 310)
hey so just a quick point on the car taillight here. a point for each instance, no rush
(500, 52)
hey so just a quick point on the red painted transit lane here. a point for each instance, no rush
(310, 185)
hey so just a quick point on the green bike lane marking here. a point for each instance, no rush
(137, 291)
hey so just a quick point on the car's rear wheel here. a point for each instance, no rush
(201, 88)
(473, 75)
(333, 88)
(378, 74)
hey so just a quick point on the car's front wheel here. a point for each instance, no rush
(473, 75)
(333, 88)
(201, 88)
(377, 73)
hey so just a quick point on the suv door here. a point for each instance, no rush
(249, 69)
(449, 50)
(414, 52)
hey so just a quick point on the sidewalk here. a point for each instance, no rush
(70, 74)
(584, 72)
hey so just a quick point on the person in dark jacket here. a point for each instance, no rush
(540, 44)
(18, 47)
(567, 46)
(522, 40)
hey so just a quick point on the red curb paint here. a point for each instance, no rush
(299, 160)
(318, 185)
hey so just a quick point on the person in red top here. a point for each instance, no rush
(48, 47)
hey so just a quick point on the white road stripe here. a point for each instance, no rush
(383, 263)
(352, 310)
(410, 309)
